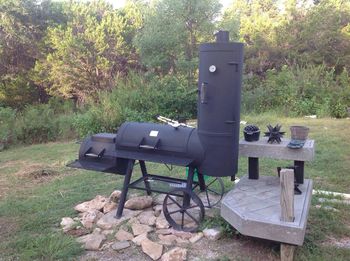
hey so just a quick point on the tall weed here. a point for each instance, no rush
(7, 126)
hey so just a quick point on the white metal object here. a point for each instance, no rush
(212, 68)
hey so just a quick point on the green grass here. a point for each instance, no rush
(31, 211)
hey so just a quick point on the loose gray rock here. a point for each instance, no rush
(164, 231)
(138, 229)
(68, 224)
(196, 237)
(147, 218)
(114, 197)
(176, 254)
(109, 206)
(107, 232)
(139, 203)
(157, 210)
(120, 245)
(159, 199)
(138, 240)
(212, 233)
(123, 235)
(167, 239)
(161, 222)
(182, 234)
(109, 221)
(89, 218)
(152, 249)
(95, 204)
(92, 241)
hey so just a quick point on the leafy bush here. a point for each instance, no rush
(40, 123)
(299, 91)
(7, 126)
(37, 123)
(137, 98)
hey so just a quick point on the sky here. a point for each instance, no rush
(120, 3)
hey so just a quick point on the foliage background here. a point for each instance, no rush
(74, 68)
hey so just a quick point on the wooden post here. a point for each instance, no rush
(287, 208)
(287, 195)
(287, 252)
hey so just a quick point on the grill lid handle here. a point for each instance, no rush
(149, 147)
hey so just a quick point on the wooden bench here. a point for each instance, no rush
(262, 149)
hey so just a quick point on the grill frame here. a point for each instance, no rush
(211, 149)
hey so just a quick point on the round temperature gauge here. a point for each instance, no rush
(212, 68)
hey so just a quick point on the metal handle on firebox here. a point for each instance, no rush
(203, 92)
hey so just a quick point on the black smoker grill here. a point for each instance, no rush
(210, 150)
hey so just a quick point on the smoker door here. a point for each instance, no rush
(220, 77)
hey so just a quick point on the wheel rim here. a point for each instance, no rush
(213, 192)
(182, 216)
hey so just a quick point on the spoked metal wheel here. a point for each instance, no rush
(185, 212)
(213, 192)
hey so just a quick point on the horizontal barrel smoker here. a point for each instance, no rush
(210, 150)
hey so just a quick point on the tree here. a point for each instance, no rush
(256, 21)
(169, 40)
(88, 53)
(320, 35)
(22, 27)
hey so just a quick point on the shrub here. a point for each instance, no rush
(37, 123)
(136, 98)
(297, 90)
(7, 126)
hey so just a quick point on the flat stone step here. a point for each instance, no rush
(253, 208)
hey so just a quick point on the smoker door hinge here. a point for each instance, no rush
(234, 63)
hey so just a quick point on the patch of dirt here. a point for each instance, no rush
(36, 173)
(11, 163)
(7, 228)
(338, 242)
(237, 248)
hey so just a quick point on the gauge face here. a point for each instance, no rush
(212, 68)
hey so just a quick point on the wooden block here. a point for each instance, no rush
(287, 195)
(287, 252)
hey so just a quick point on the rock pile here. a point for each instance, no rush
(142, 224)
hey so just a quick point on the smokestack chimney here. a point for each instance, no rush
(222, 37)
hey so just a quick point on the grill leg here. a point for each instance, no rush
(253, 168)
(145, 175)
(125, 188)
(299, 172)
(201, 181)
(189, 184)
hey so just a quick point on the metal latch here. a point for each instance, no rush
(234, 63)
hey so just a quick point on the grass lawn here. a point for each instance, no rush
(37, 190)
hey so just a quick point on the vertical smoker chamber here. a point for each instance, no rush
(220, 80)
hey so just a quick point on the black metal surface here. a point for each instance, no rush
(189, 207)
(219, 114)
(299, 171)
(253, 168)
(212, 192)
(127, 179)
(159, 184)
